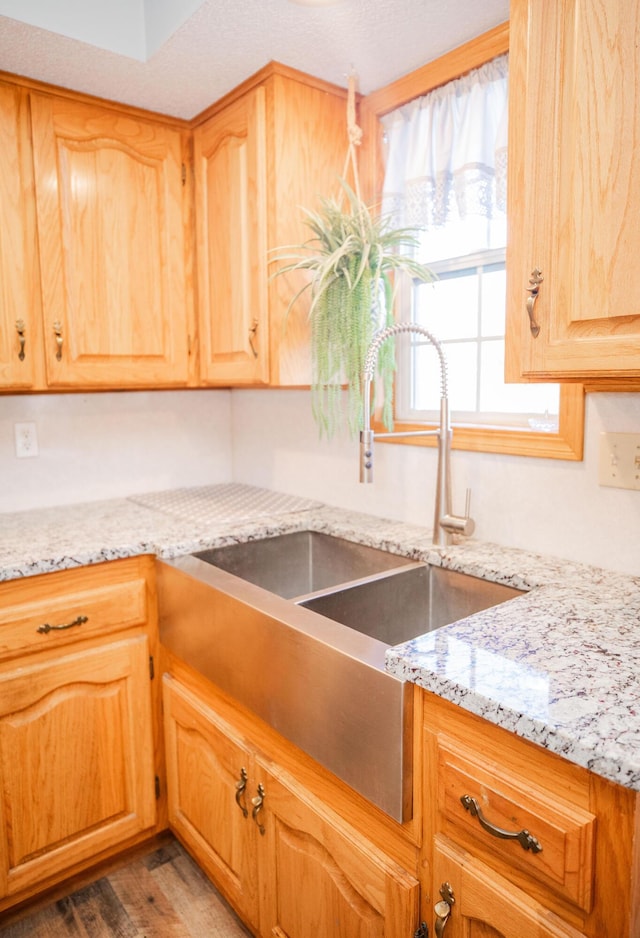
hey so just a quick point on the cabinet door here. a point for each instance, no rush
(231, 219)
(20, 304)
(309, 145)
(76, 760)
(320, 877)
(109, 191)
(484, 905)
(574, 188)
(208, 779)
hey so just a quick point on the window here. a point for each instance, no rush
(466, 249)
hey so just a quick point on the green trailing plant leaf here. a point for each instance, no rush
(352, 259)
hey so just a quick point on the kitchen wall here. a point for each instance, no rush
(108, 445)
(546, 505)
(94, 446)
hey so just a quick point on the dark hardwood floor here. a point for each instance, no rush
(162, 894)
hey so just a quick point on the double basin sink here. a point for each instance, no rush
(295, 627)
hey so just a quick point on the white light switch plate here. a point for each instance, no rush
(620, 460)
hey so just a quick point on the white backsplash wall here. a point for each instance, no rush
(545, 505)
(108, 445)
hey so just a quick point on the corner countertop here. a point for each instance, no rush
(559, 666)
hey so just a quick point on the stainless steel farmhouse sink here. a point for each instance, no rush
(295, 628)
(408, 602)
(302, 562)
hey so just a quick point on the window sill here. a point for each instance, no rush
(566, 443)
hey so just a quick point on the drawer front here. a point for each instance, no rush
(56, 609)
(513, 825)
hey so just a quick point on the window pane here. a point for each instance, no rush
(449, 307)
(494, 290)
(462, 374)
(497, 397)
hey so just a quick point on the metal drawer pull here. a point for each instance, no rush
(240, 787)
(257, 803)
(535, 280)
(442, 909)
(252, 334)
(44, 629)
(20, 329)
(526, 840)
(57, 329)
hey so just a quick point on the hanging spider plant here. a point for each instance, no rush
(352, 257)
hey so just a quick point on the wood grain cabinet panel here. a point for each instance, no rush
(578, 877)
(574, 189)
(320, 877)
(289, 865)
(231, 214)
(79, 717)
(262, 155)
(109, 193)
(21, 364)
(76, 760)
(206, 762)
(485, 905)
(557, 849)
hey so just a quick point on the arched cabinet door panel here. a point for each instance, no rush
(109, 195)
(318, 876)
(231, 215)
(76, 760)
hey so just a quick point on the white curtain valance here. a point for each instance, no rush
(446, 152)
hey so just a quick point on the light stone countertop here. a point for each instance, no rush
(559, 666)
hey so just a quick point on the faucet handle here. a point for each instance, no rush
(456, 524)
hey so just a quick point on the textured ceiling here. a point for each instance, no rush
(225, 41)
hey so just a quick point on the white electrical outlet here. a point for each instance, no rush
(26, 440)
(620, 460)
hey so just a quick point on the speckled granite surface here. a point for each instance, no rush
(559, 666)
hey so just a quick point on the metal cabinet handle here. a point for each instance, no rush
(252, 334)
(526, 840)
(257, 803)
(21, 329)
(44, 629)
(535, 280)
(57, 329)
(442, 909)
(240, 789)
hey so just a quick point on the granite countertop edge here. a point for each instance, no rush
(558, 666)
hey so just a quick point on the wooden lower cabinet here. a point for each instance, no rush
(208, 767)
(79, 714)
(482, 904)
(76, 760)
(531, 845)
(289, 865)
(319, 877)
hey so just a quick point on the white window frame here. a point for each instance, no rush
(567, 442)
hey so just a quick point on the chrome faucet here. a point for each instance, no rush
(445, 523)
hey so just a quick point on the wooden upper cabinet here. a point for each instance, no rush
(109, 195)
(268, 150)
(20, 346)
(231, 213)
(574, 189)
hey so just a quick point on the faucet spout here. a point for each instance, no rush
(445, 523)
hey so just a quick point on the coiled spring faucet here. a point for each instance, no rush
(445, 523)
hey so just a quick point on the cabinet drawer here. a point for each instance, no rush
(56, 609)
(555, 848)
